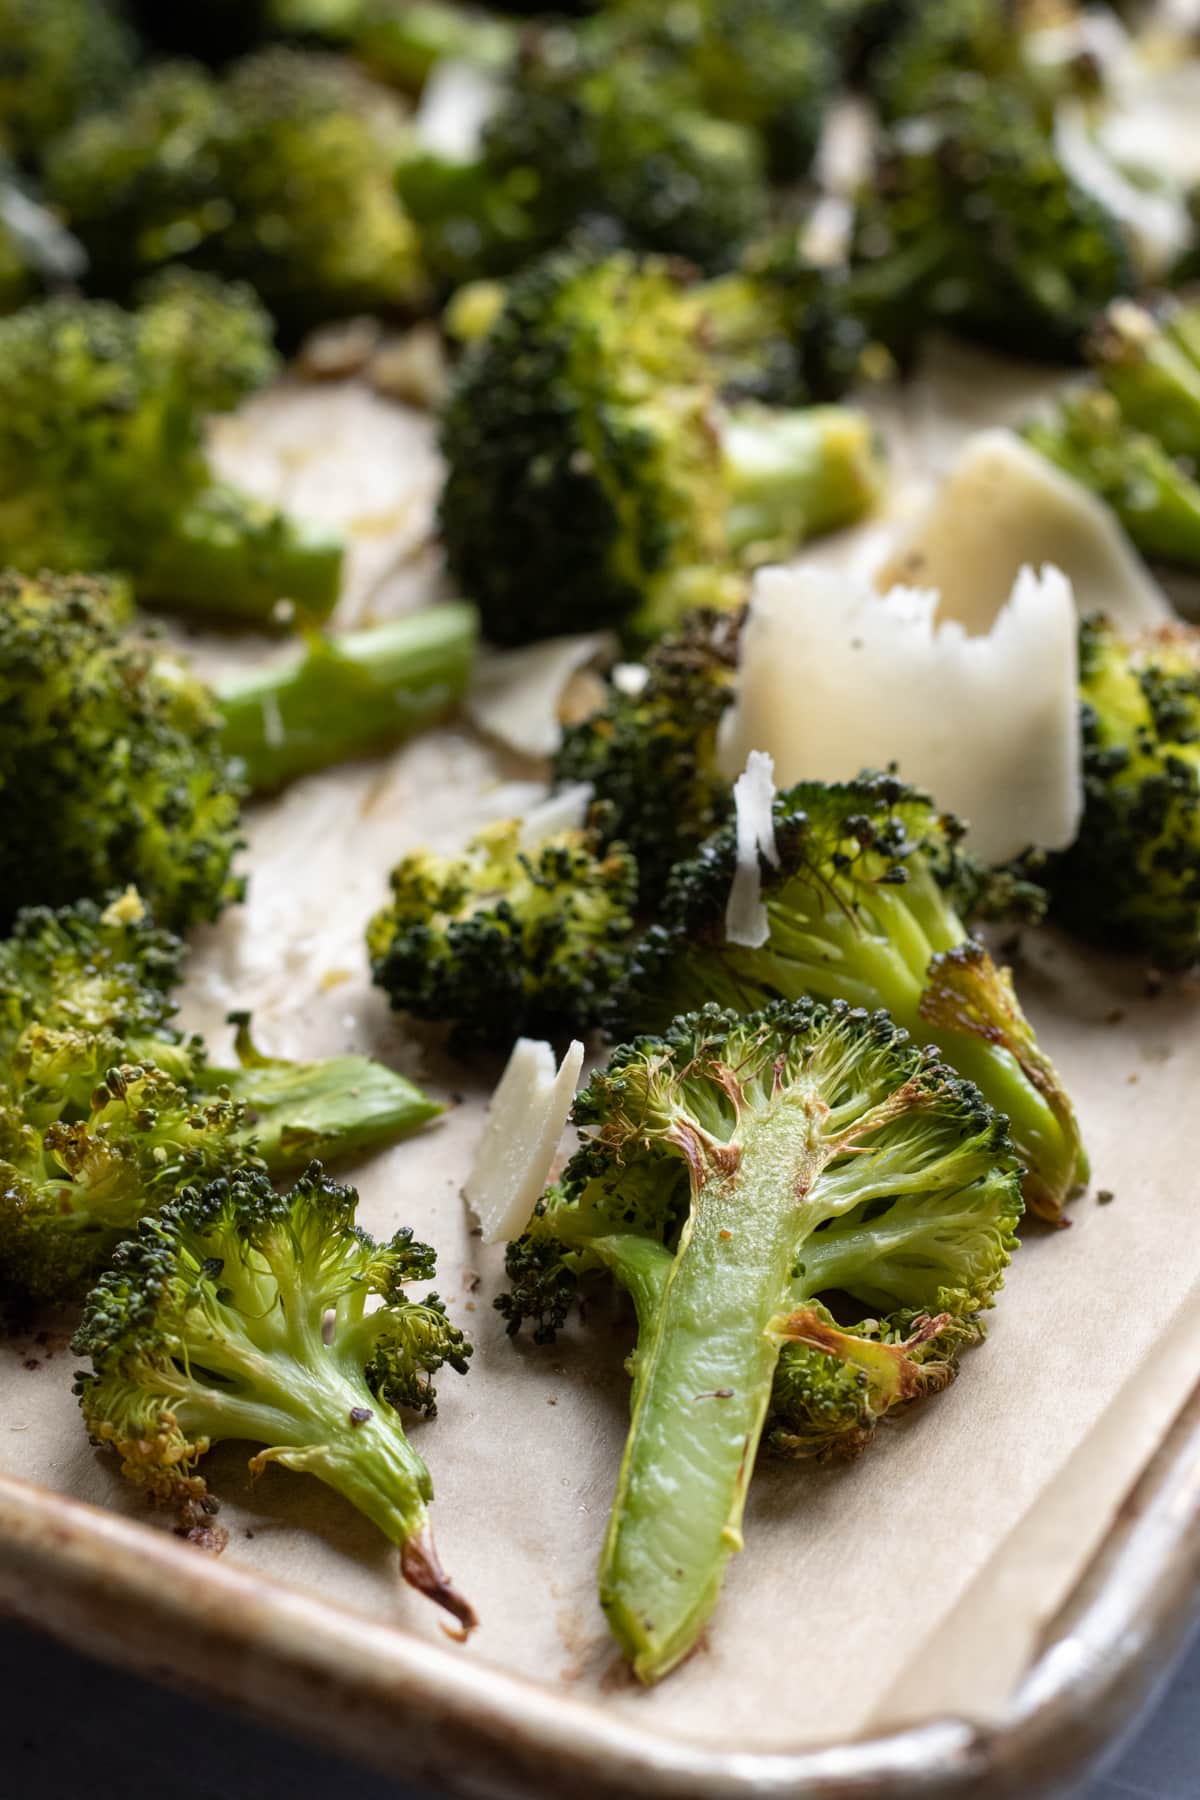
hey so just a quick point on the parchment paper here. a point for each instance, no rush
(916, 1577)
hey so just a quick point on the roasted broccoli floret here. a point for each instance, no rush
(596, 479)
(650, 752)
(106, 1111)
(1149, 360)
(1132, 876)
(402, 41)
(971, 221)
(58, 58)
(734, 1176)
(117, 765)
(519, 935)
(278, 173)
(102, 461)
(864, 906)
(212, 1324)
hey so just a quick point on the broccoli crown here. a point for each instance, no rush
(57, 59)
(1132, 876)
(864, 906)
(926, 49)
(211, 1324)
(737, 1176)
(594, 477)
(590, 137)
(970, 220)
(111, 765)
(506, 939)
(650, 752)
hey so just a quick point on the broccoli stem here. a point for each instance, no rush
(793, 475)
(234, 557)
(347, 696)
(1151, 376)
(1153, 494)
(702, 1388)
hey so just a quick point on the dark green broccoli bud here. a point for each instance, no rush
(1149, 360)
(106, 1111)
(971, 221)
(1132, 876)
(596, 480)
(650, 753)
(866, 905)
(58, 58)
(212, 1325)
(734, 1175)
(112, 768)
(510, 938)
(1154, 494)
(927, 50)
(102, 462)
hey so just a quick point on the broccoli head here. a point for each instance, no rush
(864, 906)
(212, 1324)
(58, 59)
(102, 462)
(106, 1111)
(596, 479)
(741, 1177)
(650, 752)
(513, 937)
(1132, 876)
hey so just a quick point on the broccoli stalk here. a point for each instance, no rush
(346, 696)
(864, 906)
(1150, 364)
(212, 1325)
(731, 1174)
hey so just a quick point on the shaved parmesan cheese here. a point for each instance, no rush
(1003, 506)
(564, 810)
(516, 695)
(456, 103)
(746, 919)
(516, 1151)
(835, 678)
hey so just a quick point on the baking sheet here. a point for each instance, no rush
(854, 1578)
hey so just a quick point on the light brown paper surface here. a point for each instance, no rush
(880, 1590)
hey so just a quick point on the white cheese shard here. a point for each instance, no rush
(457, 102)
(564, 810)
(836, 678)
(1154, 216)
(746, 919)
(1003, 507)
(516, 696)
(516, 1149)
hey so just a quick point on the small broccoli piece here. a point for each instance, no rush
(971, 221)
(1149, 360)
(926, 51)
(864, 906)
(650, 753)
(510, 938)
(278, 173)
(734, 1176)
(402, 41)
(211, 1325)
(1132, 876)
(596, 480)
(106, 1111)
(102, 462)
(1153, 493)
(58, 58)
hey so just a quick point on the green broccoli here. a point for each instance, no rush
(596, 480)
(1149, 361)
(512, 937)
(278, 173)
(106, 1111)
(212, 1325)
(971, 221)
(58, 59)
(734, 1176)
(865, 905)
(402, 41)
(117, 765)
(650, 752)
(102, 462)
(1132, 876)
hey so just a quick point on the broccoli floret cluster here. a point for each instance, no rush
(106, 1111)
(512, 937)
(242, 1313)
(734, 1175)
(1132, 876)
(596, 478)
(58, 59)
